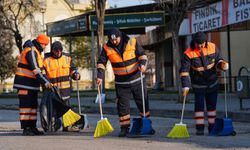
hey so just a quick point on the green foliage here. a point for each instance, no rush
(81, 51)
(7, 61)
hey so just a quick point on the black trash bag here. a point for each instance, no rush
(51, 109)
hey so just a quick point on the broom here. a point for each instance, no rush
(180, 129)
(103, 126)
(69, 116)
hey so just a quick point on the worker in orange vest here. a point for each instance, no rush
(128, 60)
(29, 75)
(199, 67)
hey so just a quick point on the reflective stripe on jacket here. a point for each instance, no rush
(200, 67)
(30, 73)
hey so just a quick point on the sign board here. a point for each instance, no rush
(239, 10)
(128, 20)
(206, 18)
(67, 26)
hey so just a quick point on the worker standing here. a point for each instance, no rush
(128, 60)
(200, 64)
(29, 75)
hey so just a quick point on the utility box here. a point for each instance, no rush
(243, 87)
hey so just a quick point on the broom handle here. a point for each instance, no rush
(78, 94)
(100, 100)
(225, 91)
(143, 100)
(78, 98)
(183, 107)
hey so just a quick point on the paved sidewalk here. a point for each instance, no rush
(161, 105)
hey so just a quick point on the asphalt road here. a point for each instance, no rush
(11, 139)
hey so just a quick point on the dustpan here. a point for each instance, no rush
(141, 126)
(223, 126)
(103, 126)
(82, 123)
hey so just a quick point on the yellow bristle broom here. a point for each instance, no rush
(103, 126)
(69, 116)
(180, 130)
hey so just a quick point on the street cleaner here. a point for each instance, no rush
(60, 70)
(29, 75)
(201, 63)
(128, 60)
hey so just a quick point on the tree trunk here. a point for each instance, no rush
(176, 58)
(100, 12)
(19, 41)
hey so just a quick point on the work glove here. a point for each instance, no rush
(76, 75)
(224, 65)
(142, 68)
(98, 81)
(185, 91)
(48, 85)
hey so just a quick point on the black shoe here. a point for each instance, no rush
(37, 132)
(199, 132)
(65, 129)
(28, 132)
(123, 132)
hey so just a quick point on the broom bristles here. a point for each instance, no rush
(179, 131)
(70, 117)
(103, 127)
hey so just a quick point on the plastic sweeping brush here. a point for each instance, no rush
(103, 126)
(70, 117)
(180, 130)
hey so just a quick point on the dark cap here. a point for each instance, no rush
(57, 46)
(199, 37)
(114, 33)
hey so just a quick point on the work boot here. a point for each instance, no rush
(123, 132)
(28, 132)
(199, 132)
(36, 131)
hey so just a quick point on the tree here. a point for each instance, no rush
(100, 12)
(177, 11)
(14, 14)
(81, 53)
(8, 62)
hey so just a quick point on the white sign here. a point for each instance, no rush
(206, 18)
(239, 10)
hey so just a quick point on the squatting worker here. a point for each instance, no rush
(128, 60)
(201, 63)
(29, 75)
(60, 69)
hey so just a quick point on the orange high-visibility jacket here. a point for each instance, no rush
(200, 66)
(125, 65)
(30, 73)
(59, 71)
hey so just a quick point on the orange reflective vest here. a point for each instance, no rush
(200, 67)
(58, 71)
(30, 73)
(126, 64)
